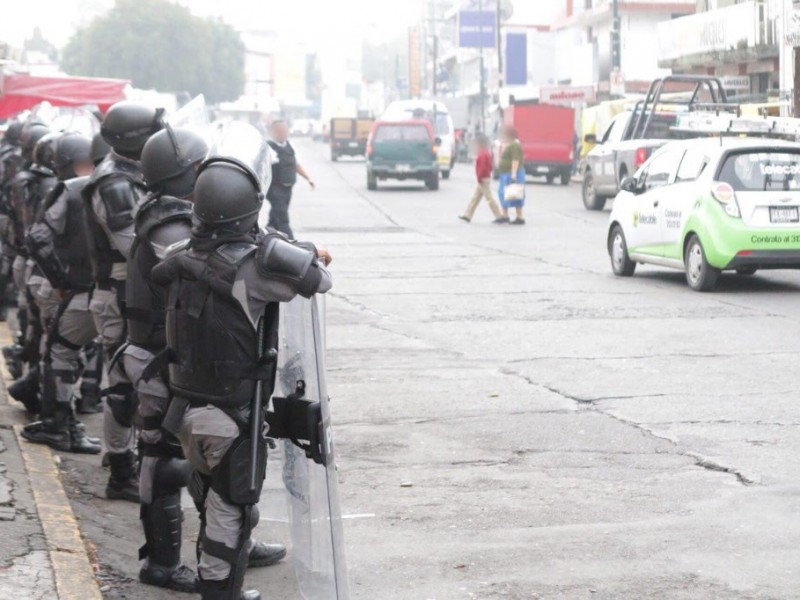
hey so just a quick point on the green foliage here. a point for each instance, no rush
(161, 45)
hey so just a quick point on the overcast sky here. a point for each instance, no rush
(309, 19)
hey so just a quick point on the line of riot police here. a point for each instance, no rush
(138, 262)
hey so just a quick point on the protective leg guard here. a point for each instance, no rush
(89, 402)
(123, 484)
(161, 521)
(26, 391)
(13, 357)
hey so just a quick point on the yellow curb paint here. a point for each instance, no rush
(72, 571)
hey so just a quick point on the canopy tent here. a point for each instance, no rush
(19, 92)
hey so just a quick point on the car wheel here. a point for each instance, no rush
(591, 200)
(621, 263)
(565, 178)
(700, 275)
(746, 271)
(372, 182)
(446, 174)
(432, 182)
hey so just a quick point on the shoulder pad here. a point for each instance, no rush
(42, 171)
(55, 193)
(159, 210)
(112, 165)
(236, 252)
(76, 184)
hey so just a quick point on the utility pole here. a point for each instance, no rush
(483, 73)
(616, 46)
(499, 49)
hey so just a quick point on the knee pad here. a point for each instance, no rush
(170, 475)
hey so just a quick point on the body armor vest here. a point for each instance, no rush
(213, 343)
(120, 213)
(284, 172)
(145, 301)
(71, 247)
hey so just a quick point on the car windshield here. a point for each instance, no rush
(402, 133)
(762, 171)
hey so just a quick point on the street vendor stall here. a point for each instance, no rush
(19, 92)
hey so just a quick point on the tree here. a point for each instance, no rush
(161, 45)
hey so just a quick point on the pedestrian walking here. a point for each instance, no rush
(512, 175)
(483, 172)
(285, 170)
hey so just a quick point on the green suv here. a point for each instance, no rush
(402, 150)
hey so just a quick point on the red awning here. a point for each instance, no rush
(20, 92)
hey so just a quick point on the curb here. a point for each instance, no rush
(72, 571)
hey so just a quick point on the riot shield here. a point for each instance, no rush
(312, 497)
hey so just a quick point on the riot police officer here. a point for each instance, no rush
(113, 193)
(169, 162)
(224, 288)
(58, 244)
(10, 164)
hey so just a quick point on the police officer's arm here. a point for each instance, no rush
(40, 241)
(304, 174)
(166, 235)
(113, 204)
(282, 269)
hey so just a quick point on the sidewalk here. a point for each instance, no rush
(42, 556)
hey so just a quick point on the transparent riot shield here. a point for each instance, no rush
(193, 115)
(311, 491)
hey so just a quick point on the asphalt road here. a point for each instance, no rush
(515, 422)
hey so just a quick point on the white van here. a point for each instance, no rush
(439, 116)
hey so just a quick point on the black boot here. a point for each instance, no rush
(14, 363)
(162, 525)
(26, 390)
(89, 403)
(218, 590)
(123, 484)
(80, 442)
(265, 555)
(52, 431)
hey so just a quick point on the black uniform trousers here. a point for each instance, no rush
(279, 197)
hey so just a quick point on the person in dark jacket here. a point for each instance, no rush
(285, 170)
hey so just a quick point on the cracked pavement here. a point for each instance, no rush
(514, 422)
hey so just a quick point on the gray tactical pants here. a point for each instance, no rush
(73, 330)
(153, 397)
(206, 434)
(110, 324)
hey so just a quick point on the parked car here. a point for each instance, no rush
(403, 150)
(349, 137)
(547, 135)
(710, 205)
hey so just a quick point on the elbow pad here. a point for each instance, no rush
(296, 265)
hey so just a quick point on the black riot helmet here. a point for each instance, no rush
(169, 158)
(128, 125)
(100, 148)
(13, 133)
(31, 133)
(72, 148)
(44, 152)
(232, 180)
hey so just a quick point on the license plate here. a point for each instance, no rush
(353, 144)
(783, 215)
(403, 168)
(542, 170)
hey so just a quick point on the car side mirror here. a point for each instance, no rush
(438, 141)
(630, 184)
(590, 138)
